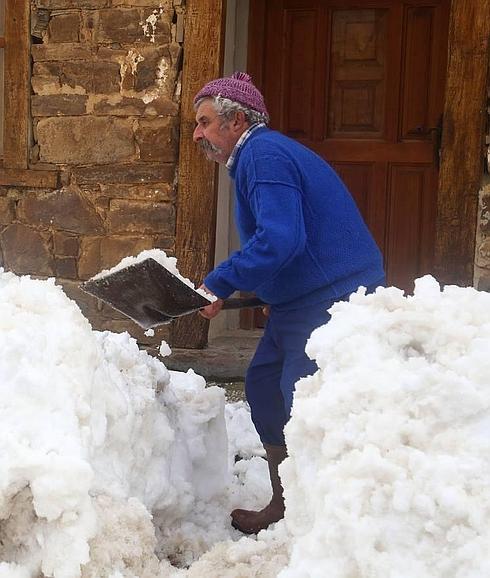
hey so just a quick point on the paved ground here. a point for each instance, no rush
(225, 359)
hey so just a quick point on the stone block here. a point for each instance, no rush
(483, 254)
(118, 25)
(119, 106)
(156, 24)
(111, 52)
(484, 223)
(65, 209)
(483, 283)
(125, 173)
(65, 245)
(122, 25)
(162, 106)
(85, 140)
(26, 251)
(64, 27)
(147, 70)
(6, 211)
(66, 268)
(47, 69)
(45, 79)
(99, 253)
(158, 139)
(58, 104)
(71, 4)
(107, 77)
(165, 243)
(64, 52)
(140, 217)
(78, 74)
(167, 5)
(157, 193)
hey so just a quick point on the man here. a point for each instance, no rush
(304, 246)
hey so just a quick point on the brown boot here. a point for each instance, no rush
(251, 522)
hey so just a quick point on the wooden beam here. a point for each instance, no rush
(463, 141)
(17, 84)
(29, 178)
(197, 183)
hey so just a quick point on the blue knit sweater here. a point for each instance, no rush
(303, 239)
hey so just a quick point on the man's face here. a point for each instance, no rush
(216, 136)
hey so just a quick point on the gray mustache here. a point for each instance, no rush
(208, 146)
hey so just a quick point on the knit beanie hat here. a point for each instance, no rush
(237, 87)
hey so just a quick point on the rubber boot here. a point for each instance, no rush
(251, 522)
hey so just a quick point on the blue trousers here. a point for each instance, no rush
(278, 363)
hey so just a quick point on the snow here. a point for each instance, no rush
(111, 466)
(164, 350)
(96, 437)
(392, 478)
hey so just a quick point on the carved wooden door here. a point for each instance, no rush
(362, 84)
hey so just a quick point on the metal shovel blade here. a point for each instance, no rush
(146, 292)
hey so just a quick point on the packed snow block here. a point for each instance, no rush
(95, 437)
(390, 439)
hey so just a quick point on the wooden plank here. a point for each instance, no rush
(196, 200)
(256, 41)
(463, 141)
(29, 178)
(17, 89)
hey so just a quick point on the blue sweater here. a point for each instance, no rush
(303, 239)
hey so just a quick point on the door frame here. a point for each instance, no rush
(462, 149)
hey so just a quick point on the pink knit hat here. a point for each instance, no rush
(237, 87)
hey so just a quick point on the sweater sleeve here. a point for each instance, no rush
(279, 237)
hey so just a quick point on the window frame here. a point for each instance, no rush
(14, 164)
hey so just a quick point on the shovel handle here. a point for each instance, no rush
(237, 303)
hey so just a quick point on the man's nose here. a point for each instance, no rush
(197, 135)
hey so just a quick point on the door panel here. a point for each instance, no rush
(356, 99)
(300, 74)
(362, 84)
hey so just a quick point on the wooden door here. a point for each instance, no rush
(362, 84)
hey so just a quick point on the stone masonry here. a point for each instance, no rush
(105, 114)
(482, 252)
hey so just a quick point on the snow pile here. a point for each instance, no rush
(94, 435)
(113, 467)
(390, 440)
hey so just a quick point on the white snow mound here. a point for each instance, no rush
(390, 440)
(94, 435)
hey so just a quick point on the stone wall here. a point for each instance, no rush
(105, 114)
(482, 253)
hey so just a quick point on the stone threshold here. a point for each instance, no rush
(224, 360)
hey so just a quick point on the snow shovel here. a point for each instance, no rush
(151, 295)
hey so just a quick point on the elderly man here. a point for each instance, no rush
(304, 246)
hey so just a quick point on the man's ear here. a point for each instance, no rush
(240, 122)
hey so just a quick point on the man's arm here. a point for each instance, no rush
(279, 237)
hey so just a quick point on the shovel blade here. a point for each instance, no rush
(147, 293)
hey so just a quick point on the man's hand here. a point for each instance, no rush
(214, 308)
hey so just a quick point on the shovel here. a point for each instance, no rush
(151, 295)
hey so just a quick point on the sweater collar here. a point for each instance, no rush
(230, 164)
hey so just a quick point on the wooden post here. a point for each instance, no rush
(17, 84)
(463, 141)
(197, 178)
